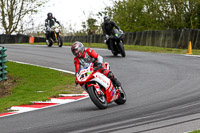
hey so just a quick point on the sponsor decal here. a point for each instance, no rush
(89, 72)
(110, 87)
(113, 92)
(102, 79)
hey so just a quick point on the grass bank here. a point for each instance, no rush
(153, 49)
(33, 83)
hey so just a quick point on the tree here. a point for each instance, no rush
(140, 15)
(12, 12)
(90, 26)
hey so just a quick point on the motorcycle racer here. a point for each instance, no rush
(107, 28)
(49, 22)
(84, 56)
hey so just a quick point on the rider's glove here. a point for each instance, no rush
(107, 37)
(120, 31)
(99, 66)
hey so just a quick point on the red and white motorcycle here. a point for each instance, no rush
(99, 87)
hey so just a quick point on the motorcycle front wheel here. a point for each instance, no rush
(50, 43)
(113, 48)
(114, 53)
(121, 49)
(99, 100)
(60, 41)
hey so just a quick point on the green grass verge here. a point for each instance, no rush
(153, 49)
(31, 79)
(197, 131)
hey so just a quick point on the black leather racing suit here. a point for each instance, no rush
(108, 27)
(107, 30)
(48, 24)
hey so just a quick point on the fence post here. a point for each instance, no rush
(3, 60)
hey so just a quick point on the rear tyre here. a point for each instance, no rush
(99, 101)
(121, 49)
(122, 97)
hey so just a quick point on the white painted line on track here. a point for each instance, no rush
(192, 55)
(55, 101)
(19, 112)
(73, 95)
(61, 70)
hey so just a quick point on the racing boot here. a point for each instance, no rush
(117, 85)
(107, 44)
(47, 38)
(116, 82)
(113, 79)
(47, 41)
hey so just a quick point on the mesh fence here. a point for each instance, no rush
(166, 38)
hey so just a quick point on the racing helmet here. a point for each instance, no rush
(106, 19)
(78, 49)
(50, 15)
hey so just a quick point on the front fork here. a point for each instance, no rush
(55, 34)
(98, 89)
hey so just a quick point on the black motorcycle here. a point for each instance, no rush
(116, 43)
(55, 36)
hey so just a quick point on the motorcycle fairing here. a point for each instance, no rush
(98, 80)
(84, 75)
(116, 95)
(102, 79)
(111, 92)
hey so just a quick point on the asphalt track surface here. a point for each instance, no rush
(163, 92)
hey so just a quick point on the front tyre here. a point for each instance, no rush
(114, 52)
(121, 49)
(113, 49)
(60, 41)
(50, 43)
(122, 97)
(98, 100)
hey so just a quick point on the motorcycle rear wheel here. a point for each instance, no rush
(122, 97)
(99, 101)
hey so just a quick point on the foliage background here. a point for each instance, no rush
(140, 15)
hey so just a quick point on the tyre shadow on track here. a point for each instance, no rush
(111, 56)
(52, 47)
(90, 108)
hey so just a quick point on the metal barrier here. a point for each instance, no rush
(178, 38)
(3, 67)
